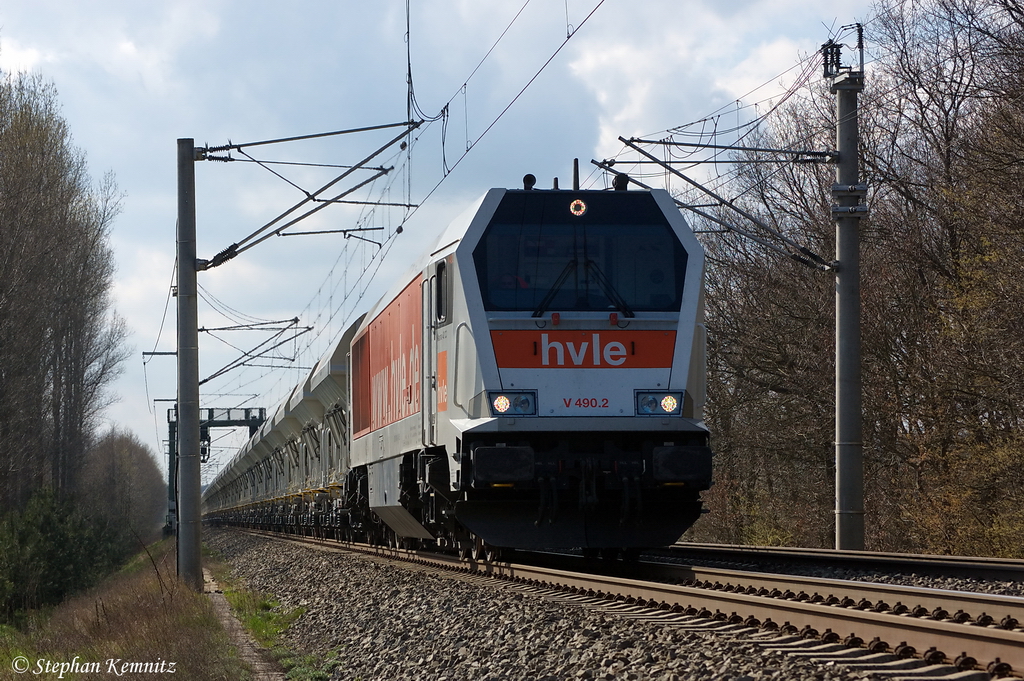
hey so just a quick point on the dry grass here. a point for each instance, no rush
(266, 620)
(143, 614)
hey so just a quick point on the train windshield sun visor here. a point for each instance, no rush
(620, 255)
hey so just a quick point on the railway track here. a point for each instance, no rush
(996, 569)
(959, 634)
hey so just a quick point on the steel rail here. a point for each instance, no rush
(938, 639)
(868, 595)
(985, 644)
(979, 567)
(963, 607)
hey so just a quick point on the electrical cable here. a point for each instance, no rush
(249, 355)
(167, 305)
(511, 103)
(240, 247)
(806, 68)
(416, 110)
(228, 312)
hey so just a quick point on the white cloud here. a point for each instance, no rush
(16, 58)
(668, 68)
(771, 67)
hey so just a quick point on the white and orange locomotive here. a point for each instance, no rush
(537, 381)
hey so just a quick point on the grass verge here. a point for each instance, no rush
(138, 616)
(266, 621)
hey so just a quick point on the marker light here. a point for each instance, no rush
(659, 403)
(513, 403)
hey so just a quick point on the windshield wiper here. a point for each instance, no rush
(566, 271)
(609, 290)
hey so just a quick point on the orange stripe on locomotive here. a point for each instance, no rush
(583, 349)
(386, 364)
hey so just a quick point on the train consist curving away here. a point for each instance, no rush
(537, 380)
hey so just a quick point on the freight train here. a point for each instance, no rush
(536, 381)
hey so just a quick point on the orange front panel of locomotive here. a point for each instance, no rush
(386, 364)
(583, 349)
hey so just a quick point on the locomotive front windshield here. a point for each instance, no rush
(567, 251)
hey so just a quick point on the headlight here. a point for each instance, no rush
(513, 404)
(659, 403)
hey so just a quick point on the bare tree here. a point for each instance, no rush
(60, 343)
(941, 292)
(122, 487)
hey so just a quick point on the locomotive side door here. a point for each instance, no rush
(428, 384)
(437, 301)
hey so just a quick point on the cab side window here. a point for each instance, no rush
(442, 294)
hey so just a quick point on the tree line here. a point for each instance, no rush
(69, 497)
(942, 150)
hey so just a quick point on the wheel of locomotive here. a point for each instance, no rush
(478, 552)
(465, 550)
(493, 553)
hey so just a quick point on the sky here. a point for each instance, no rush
(526, 87)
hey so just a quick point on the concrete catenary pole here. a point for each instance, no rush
(848, 211)
(189, 568)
